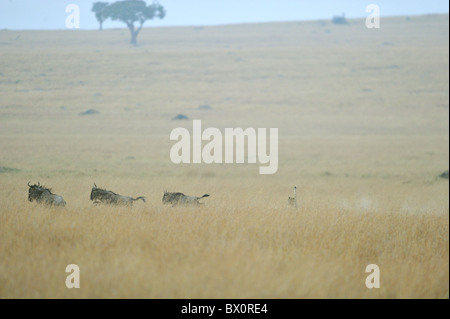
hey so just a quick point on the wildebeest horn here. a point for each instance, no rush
(95, 185)
(29, 184)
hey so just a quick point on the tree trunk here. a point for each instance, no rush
(133, 33)
(101, 26)
(133, 37)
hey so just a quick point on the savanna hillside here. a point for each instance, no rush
(363, 119)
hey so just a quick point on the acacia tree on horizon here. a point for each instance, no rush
(98, 8)
(134, 11)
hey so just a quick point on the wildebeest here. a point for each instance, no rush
(44, 195)
(181, 199)
(103, 196)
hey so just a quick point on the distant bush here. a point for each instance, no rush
(89, 112)
(180, 117)
(4, 169)
(204, 107)
(340, 19)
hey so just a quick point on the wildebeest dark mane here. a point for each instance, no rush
(44, 195)
(44, 188)
(177, 198)
(104, 196)
(105, 190)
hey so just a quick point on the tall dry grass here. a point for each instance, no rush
(239, 245)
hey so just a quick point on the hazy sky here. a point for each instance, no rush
(51, 14)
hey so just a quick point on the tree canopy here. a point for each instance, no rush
(130, 12)
(98, 8)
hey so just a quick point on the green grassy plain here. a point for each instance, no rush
(363, 120)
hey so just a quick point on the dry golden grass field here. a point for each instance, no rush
(363, 120)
